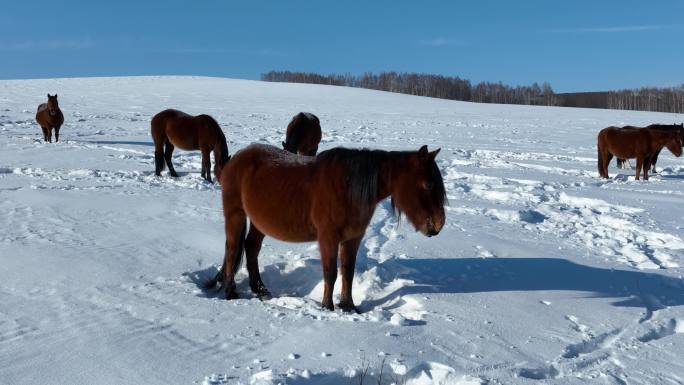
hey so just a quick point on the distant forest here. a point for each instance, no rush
(669, 99)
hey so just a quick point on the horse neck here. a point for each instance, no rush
(390, 167)
(660, 138)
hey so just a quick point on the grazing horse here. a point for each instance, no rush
(303, 134)
(329, 198)
(639, 143)
(49, 116)
(175, 128)
(662, 127)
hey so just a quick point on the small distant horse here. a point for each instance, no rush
(49, 117)
(639, 143)
(329, 198)
(662, 127)
(303, 134)
(173, 128)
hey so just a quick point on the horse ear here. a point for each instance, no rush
(433, 154)
(423, 153)
(283, 144)
(55, 96)
(48, 94)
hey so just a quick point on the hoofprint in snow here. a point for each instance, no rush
(543, 272)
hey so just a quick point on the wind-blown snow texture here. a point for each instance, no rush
(542, 272)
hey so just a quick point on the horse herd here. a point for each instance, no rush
(295, 195)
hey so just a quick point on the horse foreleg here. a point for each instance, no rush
(235, 242)
(639, 164)
(45, 138)
(49, 134)
(56, 134)
(328, 249)
(348, 251)
(252, 247)
(168, 154)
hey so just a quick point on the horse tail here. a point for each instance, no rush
(240, 249)
(237, 259)
(223, 144)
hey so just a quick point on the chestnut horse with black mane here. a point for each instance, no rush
(303, 134)
(662, 127)
(329, 198)
(639, 143)
(49, 117)
(173, 128)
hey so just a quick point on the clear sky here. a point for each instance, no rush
(575, 45)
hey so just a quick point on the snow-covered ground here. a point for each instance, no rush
(544, 273)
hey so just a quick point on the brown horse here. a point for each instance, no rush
(303, 134)
(639, 143)
(662, 127)
(49, 116)
(329, 198)
(173, 128)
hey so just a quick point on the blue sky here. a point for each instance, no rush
(575, 45)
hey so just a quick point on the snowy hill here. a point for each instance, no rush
(543, 271)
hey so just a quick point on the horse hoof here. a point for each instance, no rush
(348, 308)
(232, 295)
(264, 295)
(328, 306)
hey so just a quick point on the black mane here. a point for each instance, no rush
(363, 173)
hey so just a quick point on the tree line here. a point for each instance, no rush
(669, 99)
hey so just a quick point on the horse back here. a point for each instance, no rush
(176, 126)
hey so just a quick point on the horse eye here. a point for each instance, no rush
(427, 185)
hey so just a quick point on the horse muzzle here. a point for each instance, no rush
(431, 229)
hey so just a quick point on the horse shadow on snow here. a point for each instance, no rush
(630, 288)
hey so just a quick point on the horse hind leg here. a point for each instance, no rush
(328, 249)
(639, 164)
(654, 160)
(647, 167)
(348, 251)
(236, 226)
(168, 154)
(606, 161)
(252, 247)
(206, 165)
(158, 158)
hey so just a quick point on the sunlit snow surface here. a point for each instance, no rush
(544, 273)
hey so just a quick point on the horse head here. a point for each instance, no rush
(419, 192)
(53, 105)
(675, 143)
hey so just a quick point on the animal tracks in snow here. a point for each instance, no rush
(613, 230)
